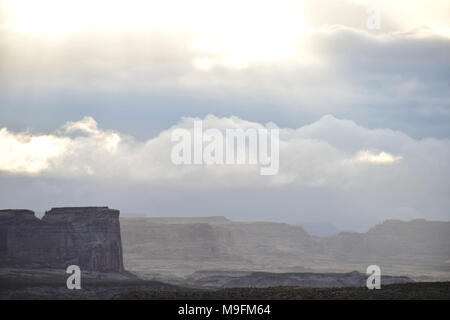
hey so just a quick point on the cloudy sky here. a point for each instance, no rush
(90, 92)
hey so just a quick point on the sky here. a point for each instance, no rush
(90, 92)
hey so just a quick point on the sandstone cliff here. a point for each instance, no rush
(181, 246)
(85, 236)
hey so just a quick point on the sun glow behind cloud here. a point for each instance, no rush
(44, 15)
(238, 32)
(232, 34)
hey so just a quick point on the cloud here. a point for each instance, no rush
(367, 156)
(396, 80)
(57, 154)
(326, 152)
(333, 168)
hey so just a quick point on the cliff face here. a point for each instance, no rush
(85, 236)
(185, 245)
(181, 246)
(16, 233)
(416, 241)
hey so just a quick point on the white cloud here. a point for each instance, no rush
(329, 167)
(325, 153)
(26, 153)
(376, 79)
(366, 156)
(58, 154)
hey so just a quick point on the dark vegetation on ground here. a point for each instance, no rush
(17, 282)
(53, 287)
(408, 291)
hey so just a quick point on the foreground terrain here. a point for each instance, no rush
(51, 284)
(407, 291)
(47, 284)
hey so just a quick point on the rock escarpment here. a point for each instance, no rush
(180, 246)
(223, 279)
(85, 236)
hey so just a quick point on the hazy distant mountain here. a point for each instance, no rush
(416, 241)
(319, 228)
(180, 246)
